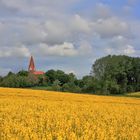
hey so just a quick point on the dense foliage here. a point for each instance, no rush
(109, 75)
(117, 74)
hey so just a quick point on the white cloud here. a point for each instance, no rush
(19, 51)
(80, 24)
(27, 33)
(132, 2)
(127, 9)
(32, 33)
(107, 28)
(129, 50)
(66, 49)
(102, 10)
(60, 31)
(118, 41)
(57, 31)
(35, 8)
(1, 26)
(120, 45)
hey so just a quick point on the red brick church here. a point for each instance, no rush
(32, 68)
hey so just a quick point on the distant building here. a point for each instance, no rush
(32, 68)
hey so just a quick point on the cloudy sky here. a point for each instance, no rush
(68, 35)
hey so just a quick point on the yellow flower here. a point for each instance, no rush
(44, 115)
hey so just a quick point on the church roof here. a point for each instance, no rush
(31, 64)
(38, 72)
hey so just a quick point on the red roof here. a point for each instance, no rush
(38, 72)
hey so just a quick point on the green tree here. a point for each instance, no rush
(51, 75)
(118, 73)
(56, 85)
(23, 73)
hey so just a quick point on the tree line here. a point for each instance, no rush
(109, 75)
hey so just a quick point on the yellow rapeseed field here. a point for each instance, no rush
(43, 115)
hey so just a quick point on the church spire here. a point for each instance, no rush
(31, 67)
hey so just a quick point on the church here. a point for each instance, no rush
(32, 68)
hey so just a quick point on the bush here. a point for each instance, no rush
(56, 85)
(71, 87)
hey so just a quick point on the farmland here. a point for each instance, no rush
(37, 114)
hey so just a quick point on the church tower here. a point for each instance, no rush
(31, 67)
